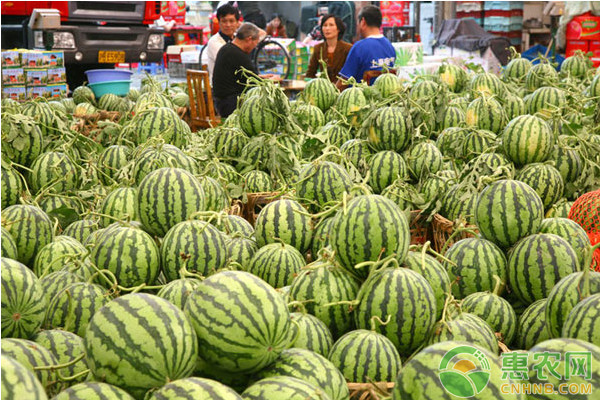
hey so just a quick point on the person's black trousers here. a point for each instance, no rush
(226, 106)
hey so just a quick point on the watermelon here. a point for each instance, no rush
(385, 167)
(31, 229)
(160, 122)
(81, 229)
(528, 139)
(565, 295)
(570, 231)
(119, 205)
(195, 389)
(112, 161)
(8, 247)
(30, 355)
(452, 116)
(324, 290)
(403, 194)
(532, 327)
(256, 181)
(350, 102)
(308, 117)
(356, 151)
(130, 254)
(458, 203)
(65, 347)
(517, 69)
(156, 343)
(566, 374)
(178, 291)
(55, 282)
(53, 171)
(310, 367)
(22, 139)
(321, 93)
(536, 263)
(476, 143)
(242, 323)
(466, 327)
(166, 197)
(434, 273)
(72, 308)
(407, 298)
(542, 74)
(559, 210)
(387, 84)
(453, 76)
(568, 162)
(582, 322)
(63, 252)
(424, 91)
(594, 89)
(547, 101)
(545, 180)
(309, 332)
(366, 356)
(228, 142)
(337, 132)
(496, 311)
(391, 129)
(83, 94)
(522, 214)
(486, 113)
(322, 182)
(434, 370)
(276, 264)
(284, 221)
(234, 225)
(12, 186)
(215, 197)
(514, 106)
(23, 301)
(486, 84)
(284, 387)
(151, 158)
(93, 391)
(450, 141)
(257, 116)
(424, 158)
(240, 250)
(576, 66)
(18, 382)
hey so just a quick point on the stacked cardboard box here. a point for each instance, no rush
(300, 61)
(28, 74)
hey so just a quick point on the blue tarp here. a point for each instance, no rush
(538, 49)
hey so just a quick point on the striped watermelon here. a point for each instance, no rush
(65, 347)
(308, 117)
(109, 102)
(256, 181)
(310, 367)
(322, 182)
(195, 389)
(576, 66)
(565, 295)
(112, 161)
(532, 326)
(151, 158)
(93, 391)
(547, 101)
(23, 301)
(568, 162)
(349, 103)
(476, 265)
(487, 164)
(453, 76)
(514, 106)
(452, 116)
(434, 273)
(459, 203)
(517, 69)
(72, 308)
(496, 311)
(12, 186)
(120, 204)
(424, 158)
(160, 122)
(560, 209)
(466, 327)
(369, 228)
(559, 348)
(538, 262)
(319, 285)
(150, 100)
(284, 220)
(168, 196)
(196, 245)
(366, 356)
(594, 89)
(357, 152)
(18, 382)
(215, 197)
(234, 224)
(424, 90)
(570, 231)
(321, 93)
(55, 204)
(156, 343)
(486, 113)
(130, 254)
(83, 94)
(387, 84)
(407, 298)
(522, 214)
(255, 154)
(385, 167)
(229, 142)
(81, 229)
(450, 141)
(527, 139)
(47, 119)
(84, 110)
(435, 186)
(30, 355)
(31, 229)
(224, 173)
(542, 74)
(476, 142)
(178, 291)
(487, 84)
(545, 180)
(310, 333)
(240, 250)
(242, 323)
(425, 374)
(337, 132)
(22, 139)
(403, 194)
(8, 246)
(256, 116)
(582, 321)
(56, 282)
(391, 129)
(276, 264)
(284, 387)
(54, 171)
(63, 252)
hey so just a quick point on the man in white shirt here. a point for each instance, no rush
(229, 18)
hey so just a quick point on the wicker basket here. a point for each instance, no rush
(256, 201)
(87, 123)
(420, 229)
(443, 230)
(236, 208)
(370, 391)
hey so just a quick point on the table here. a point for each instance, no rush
(292, 87)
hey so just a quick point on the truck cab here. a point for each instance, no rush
(91, 34)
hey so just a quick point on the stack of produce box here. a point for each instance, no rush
(504, 18)
(29, 74)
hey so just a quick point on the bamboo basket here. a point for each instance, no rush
(420, 229)
(370, 391)
(256, 201)
(443, 230)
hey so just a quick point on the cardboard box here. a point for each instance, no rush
(57, 75)
(11, 58)
(54, 59)
(32, 59)
(13, 76)
(36, 92)
(56, 91)
(574, 45)
(18, 93)
(36, 77)
(584, 27)
(190, 57)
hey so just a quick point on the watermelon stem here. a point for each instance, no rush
(376, 319)
(499, 285)
(60, 366)
(73, 377)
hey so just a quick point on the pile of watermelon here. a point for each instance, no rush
(126, 274)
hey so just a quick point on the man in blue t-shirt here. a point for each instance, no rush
(370, 53)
